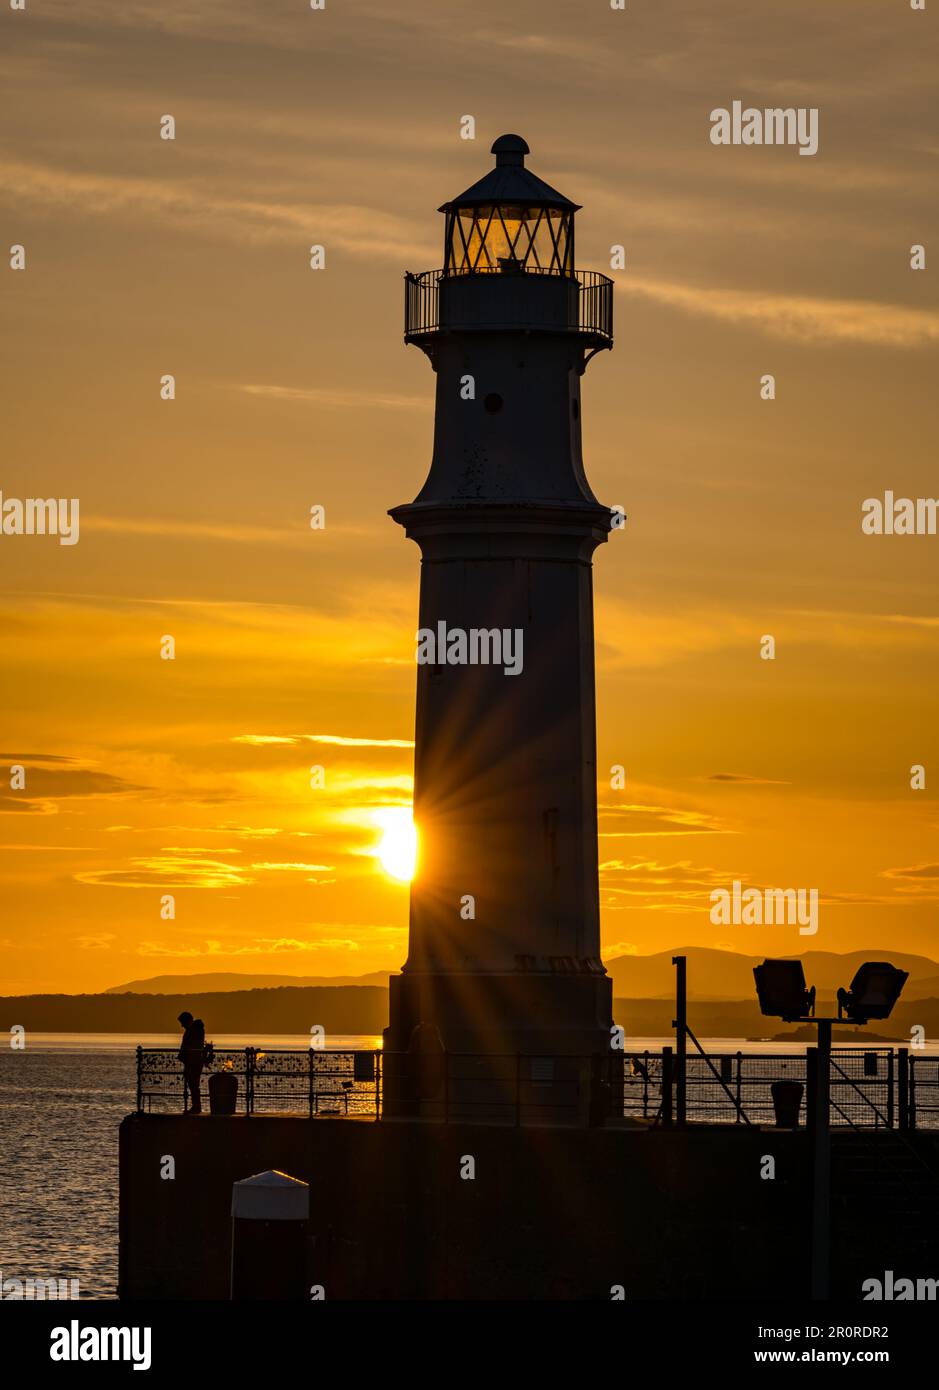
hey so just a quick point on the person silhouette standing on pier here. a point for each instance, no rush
(192, 1056)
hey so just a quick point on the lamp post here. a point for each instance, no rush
(821, 1164)
(782, 992)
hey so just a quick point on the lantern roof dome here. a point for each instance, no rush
(510, 183)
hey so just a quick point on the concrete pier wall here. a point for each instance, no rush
(550, 1213)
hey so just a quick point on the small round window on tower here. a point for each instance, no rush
(493, 403)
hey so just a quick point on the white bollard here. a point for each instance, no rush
(270, 1214)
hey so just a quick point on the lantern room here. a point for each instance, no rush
(510, 222)
(509, 265)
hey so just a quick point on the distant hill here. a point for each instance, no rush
(339, 1010)
(922, 989)
(364, 1009)
(725, 975)
(712, 974)
(721, 995)
(225, 981)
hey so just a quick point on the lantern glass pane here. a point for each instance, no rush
(506, 238)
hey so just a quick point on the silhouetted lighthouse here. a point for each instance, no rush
(504, 953)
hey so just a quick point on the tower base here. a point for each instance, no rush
(550, 1014)
(488, 1046)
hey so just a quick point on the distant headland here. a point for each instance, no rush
(722, 1001)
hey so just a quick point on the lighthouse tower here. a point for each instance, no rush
(504, 946)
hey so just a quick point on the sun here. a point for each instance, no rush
(397, 850)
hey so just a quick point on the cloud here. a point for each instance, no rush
(917, 883)
(652, 871)
(361, 742)
(338, 399)
(908, 620)
(298, 537)
(745, 777)
(47, 785)
(13, 804)
(168, 871)
(36, 758)
(339, 740)
(251, 645)
(659, 820)
(261, 740)
(262, 946)
(798, 318)
(634, 637)
(294, 868)
(67, 849)
(102, 942)
(199, 849)
(674, 887)
(197, 208)
(917, 871)
(264, 832)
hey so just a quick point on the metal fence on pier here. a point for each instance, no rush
(871, 1088)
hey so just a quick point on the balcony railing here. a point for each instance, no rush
(589, 312)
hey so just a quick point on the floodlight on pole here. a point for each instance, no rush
(781, 990)
(874, 990)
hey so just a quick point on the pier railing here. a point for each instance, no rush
(318, 1081)
(870, 1088)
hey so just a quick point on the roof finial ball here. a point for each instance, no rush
(510, 150)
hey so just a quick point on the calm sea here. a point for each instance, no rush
(61, 1101)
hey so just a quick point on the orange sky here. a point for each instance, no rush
(341, 127)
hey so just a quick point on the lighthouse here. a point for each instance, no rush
(504, 932)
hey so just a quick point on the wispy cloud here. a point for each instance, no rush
(197, 530)
(801, 318)
(339, 740)
(102, 941)
(647, 883)
(47, 785)
(169, 871)
(267, 866)
(355, 229)
(335, 398)
(265, 740)
(919, 882)
(746, 779)
(642, 820)
(346, 742)
(633, 636)
(263, 946)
